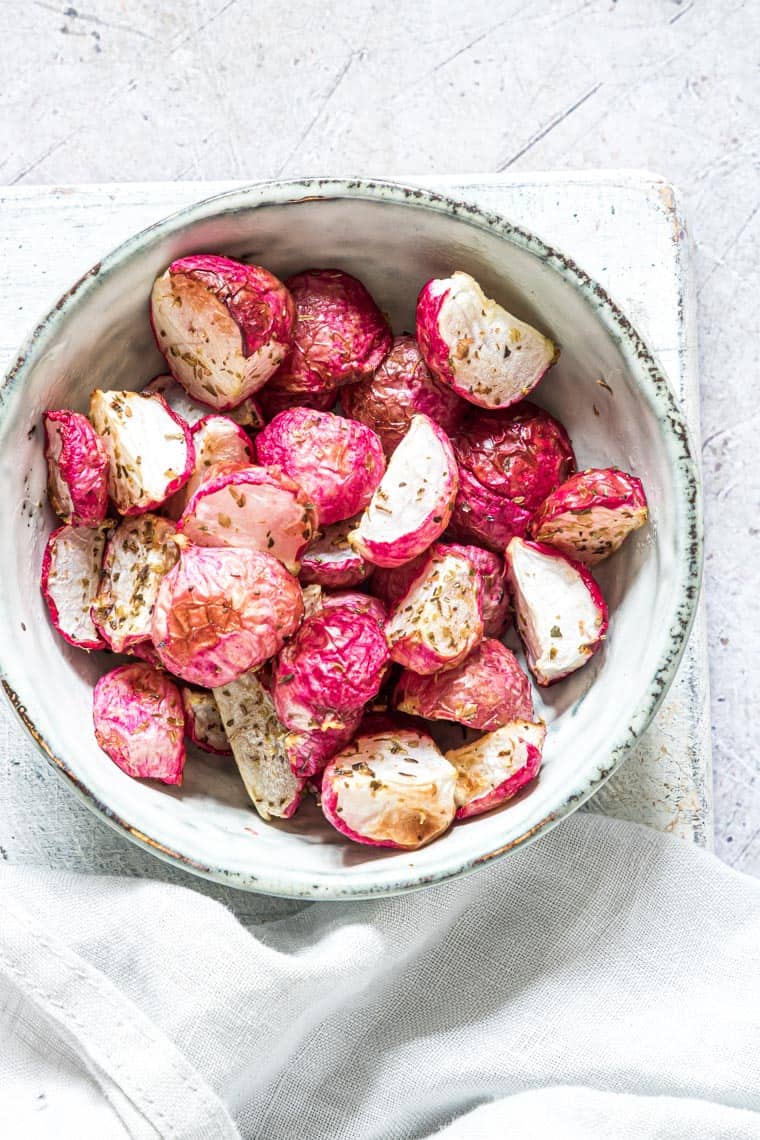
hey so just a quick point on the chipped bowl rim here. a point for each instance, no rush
(651, 382)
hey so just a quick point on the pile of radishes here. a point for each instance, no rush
(317, 591)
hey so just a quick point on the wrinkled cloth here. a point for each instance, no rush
(604, 982)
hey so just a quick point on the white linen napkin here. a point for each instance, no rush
(604, 982)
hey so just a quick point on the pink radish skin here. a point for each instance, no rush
(71, 567)
(338, 462)
(390, 788)
(221, 612)
(485, 518)
(469, 342)
(339, 336)
(357, 602)
(326, 674)
(486, 691)
(521, 454)
(412, 506)
(401, 388)
(150, 449)
(496, 767)
(223, 327)
(77, 469)
(591, 514)
(140, 723)
(254, 508)
(560, 611)
(274, 399)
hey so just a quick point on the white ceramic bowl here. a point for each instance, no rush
(394, 239)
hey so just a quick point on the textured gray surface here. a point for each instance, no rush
(132, 90)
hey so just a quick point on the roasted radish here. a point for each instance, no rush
(559, 608)
(221, 612)
(487, 690)
(337, 462)
(335, 664)
(391, 788)
(257, 740)
(482, 352)
(77, 469)
(339, 335)
(203, 721)
(253, 508)
(591, 514)
(139, 553)
(401, 388)
(71, 567)
(224, 327)
(331, 561)
(413, 504)
(150, 450)
(440, 619)
(140, 723)
(495, 767)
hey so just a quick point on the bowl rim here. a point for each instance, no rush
(651, 381)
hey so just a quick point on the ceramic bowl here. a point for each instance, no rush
(393, 238)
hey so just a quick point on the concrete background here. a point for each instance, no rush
(135, 90)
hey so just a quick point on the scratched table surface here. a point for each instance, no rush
(130, 90)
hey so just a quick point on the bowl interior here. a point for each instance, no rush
(605, 390)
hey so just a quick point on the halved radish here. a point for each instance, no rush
(495, 596)
(203, 721)
(591, 514)
(150, 449)
(468, 341)
(487, 690)
(560, 611)
(257, 740)
(251, 507)
(335, 664)
(71, 568)
(221, 612)
(331, 561)
(391, 788)
(77, 469)
(439, 620)
(338, 462)
(495, 767)
(309, 752)
(224, 327)
(140, 723)
(217, 440)
(139, 553)
(413, 504)
(247, 415)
